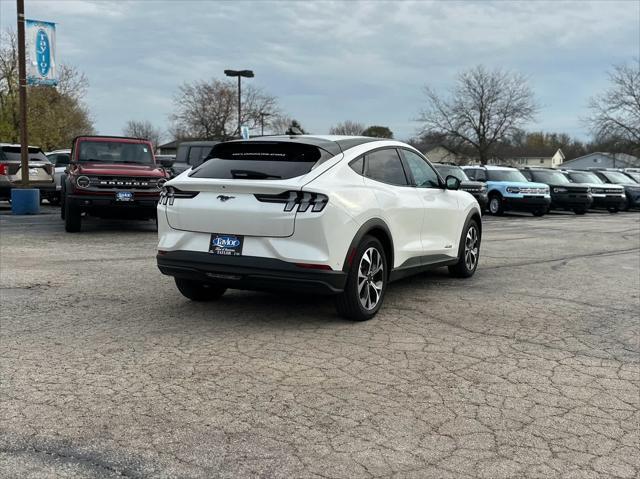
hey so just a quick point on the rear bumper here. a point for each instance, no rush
(249, 272)
(526, 203)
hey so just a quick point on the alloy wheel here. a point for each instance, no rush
(494, 205)
(370, 278)
(471, 248)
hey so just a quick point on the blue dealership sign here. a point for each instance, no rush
(41, 52)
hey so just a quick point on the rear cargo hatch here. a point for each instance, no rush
(246, 188)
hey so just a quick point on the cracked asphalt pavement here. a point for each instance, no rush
(529, 369)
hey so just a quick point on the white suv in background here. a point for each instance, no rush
(323, 214)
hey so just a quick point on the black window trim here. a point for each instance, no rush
(407, 176)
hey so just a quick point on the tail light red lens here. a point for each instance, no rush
(303, 200)
(4, 169)
(168, 194)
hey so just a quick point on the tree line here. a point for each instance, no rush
(481, 115)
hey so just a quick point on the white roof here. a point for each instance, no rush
(16, 145)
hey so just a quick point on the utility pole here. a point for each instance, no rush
(22, 86)
(239, 74)
(262, 115)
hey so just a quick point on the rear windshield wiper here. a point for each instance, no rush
(254, 175)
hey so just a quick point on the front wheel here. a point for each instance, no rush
(495, 205)
(579, 211)
(197, 291)
(72, 217)
(366, 282)
(613, 209)
(539, 212)
(468, 252)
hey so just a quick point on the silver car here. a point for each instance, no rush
(40, 171)
(60, 160)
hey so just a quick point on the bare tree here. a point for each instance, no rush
(347, 128)
(55, 114)
(208, 110)
(615, 113)
(481, 110)
(278, 125)
(143, 129)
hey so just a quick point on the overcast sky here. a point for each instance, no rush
(333, 61)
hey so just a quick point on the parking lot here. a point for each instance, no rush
(528, 369)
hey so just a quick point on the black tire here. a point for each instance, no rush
(363, 280)
(579, 211)
(469, 251)
(495, 206)
(539, 212)
(62, 202)
(197, 291)
(72, 217)
(613, 209)
(625, 206)
(54, 201)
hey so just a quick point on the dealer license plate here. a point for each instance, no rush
(124, 196)
(226, 245)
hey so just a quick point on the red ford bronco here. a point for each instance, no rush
(111, 177)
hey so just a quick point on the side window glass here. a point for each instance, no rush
(471, 174)
(481, 175)
(385, 166)
(423, 174)
(62, 159)
(527, 174)
(357, 165)
(195, 156)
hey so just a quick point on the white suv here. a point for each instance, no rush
(323, 214)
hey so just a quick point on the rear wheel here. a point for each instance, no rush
(469, 252)
(579, 211)
(72, 217)
(495, 205)
(613, 209)
(366, 282)
(197, 291)
(539, 212)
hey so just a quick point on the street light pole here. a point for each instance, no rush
(262, 115)
(22, 87)
(239, 74)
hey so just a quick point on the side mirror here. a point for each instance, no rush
(166, 162)
(452, 183)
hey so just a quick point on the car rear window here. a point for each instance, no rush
(260, 160)
(12, 153)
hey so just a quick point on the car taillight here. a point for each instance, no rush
(303, 200)
(169, 194)
(4, 169)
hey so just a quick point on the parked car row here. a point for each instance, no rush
(538, 190)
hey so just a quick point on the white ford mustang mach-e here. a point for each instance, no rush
(322, 214)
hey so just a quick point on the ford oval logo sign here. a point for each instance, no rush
(226, 242)
(43, 52)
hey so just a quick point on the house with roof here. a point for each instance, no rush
(521, 157)
(601, 159)
(170, 148)
(443, 154)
